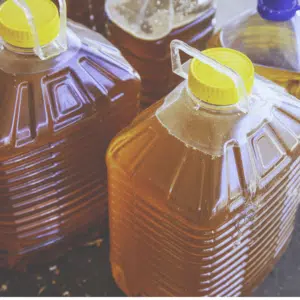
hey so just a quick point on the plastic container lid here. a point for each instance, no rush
(15, 28)
(214, 87)
(277, 10)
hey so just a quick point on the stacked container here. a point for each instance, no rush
(270, 36)
(204, 186)
(65, 92)
(143, 30)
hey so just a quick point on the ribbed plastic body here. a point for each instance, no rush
(272, 46)
(203, 202)
(57, 118)
(87, 12)
(151, 58)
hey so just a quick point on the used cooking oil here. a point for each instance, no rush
(87, 12)
(204, 185)
(65, 92)
(143, 30)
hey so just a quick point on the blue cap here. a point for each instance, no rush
(277, 10)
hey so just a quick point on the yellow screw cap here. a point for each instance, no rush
(213, 87)
(14, 27)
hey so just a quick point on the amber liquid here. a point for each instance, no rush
(178, 223)
(87, 12)
(56, 124)
(289, 80)
(152, 58)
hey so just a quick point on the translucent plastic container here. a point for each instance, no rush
(87, 12)
(143, 30)
(64, 94)
(270, 36)
(204, 185)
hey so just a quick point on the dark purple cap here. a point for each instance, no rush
(277, 10)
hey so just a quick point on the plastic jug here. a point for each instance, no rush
(270, 36)
(87, 12)
(204, 186)
(143, 30)
(64, 93)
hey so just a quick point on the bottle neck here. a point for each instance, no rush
(18, 50)
(52, 49)
(209, 107)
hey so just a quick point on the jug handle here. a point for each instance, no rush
(177, 67)
(61, 42)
